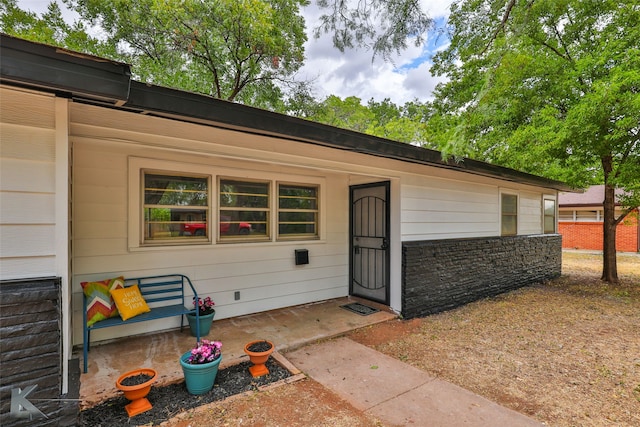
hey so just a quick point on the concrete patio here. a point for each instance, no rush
(287, 328)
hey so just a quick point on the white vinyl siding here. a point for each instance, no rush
(435, 208)
(27, 185)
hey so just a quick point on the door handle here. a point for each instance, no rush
(385, 244)
(356, 249)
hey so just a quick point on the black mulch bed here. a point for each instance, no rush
(169, 401)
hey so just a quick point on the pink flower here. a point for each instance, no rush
(206, 351)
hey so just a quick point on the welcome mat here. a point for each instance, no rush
(361, 309)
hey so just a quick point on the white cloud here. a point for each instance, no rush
(353, 73)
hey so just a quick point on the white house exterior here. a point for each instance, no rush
(81, 143)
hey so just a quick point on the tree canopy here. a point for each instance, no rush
(239, 50)
(546, 86)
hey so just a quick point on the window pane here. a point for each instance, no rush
(549, 225)
(509, 218)
(550, 207)
(243, 223)
(509, 204)
(297, 211)
(586, 215)
(174, 190)
(244, 194)
(509, 226)
(175, 207)
(244, 210)
(292, 197)
(549, 216)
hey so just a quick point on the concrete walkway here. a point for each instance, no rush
(395, 392)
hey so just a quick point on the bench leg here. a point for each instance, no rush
(85, 346)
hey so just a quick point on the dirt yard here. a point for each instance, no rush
(566, 353)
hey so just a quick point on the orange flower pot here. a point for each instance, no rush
(259, 358)
(137, 394)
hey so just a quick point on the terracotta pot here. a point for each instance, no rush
(258, 358)
(137, 394)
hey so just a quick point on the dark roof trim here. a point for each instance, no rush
(92, 79)
(28, 63)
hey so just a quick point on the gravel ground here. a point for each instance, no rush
(170, 400)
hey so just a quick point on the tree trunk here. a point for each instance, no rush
(610, 267)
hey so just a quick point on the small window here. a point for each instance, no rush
(175, 207)
(244, 210)
(586, 216)
(297, 212)
(549, 216)
(509, 208)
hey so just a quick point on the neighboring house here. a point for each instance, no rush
(580, 217)
(101, 174)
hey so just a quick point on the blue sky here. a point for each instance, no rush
(353, 73)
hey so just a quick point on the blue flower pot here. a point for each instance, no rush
(205, 323)
(199, 379)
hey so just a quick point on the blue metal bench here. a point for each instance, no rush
(165, 297)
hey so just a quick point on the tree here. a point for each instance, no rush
(239, 50)
(550, 87)
(381, 25)
(383, 119)
(50, 28)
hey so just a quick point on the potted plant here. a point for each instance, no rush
(200, 366)
(136, 385)
(259, 352)
(206, 313)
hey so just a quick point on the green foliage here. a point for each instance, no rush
(550, 87)
(383, 119)
(240, 50)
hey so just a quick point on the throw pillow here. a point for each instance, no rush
(130, 302)
(100, 305)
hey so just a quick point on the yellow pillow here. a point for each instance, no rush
(129, 302)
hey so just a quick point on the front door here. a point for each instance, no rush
(369, 225)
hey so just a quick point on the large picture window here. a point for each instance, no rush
(244, 210)
(509, 217)
(175, 207)
(297, 211)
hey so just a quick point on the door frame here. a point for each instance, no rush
(387, 258)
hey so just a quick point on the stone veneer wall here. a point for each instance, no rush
(31, 352)
(439, 275)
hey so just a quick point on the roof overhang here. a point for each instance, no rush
(107, 83)
(54, 69)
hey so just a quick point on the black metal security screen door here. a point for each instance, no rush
(369, 225)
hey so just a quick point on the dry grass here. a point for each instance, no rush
(566, 353)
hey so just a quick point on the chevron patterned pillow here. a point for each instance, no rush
(100, 304)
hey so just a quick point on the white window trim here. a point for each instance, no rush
(518, 210)
(135, 200)
(277, 211)
(553, 198)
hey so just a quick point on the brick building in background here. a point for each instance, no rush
(580, 217)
